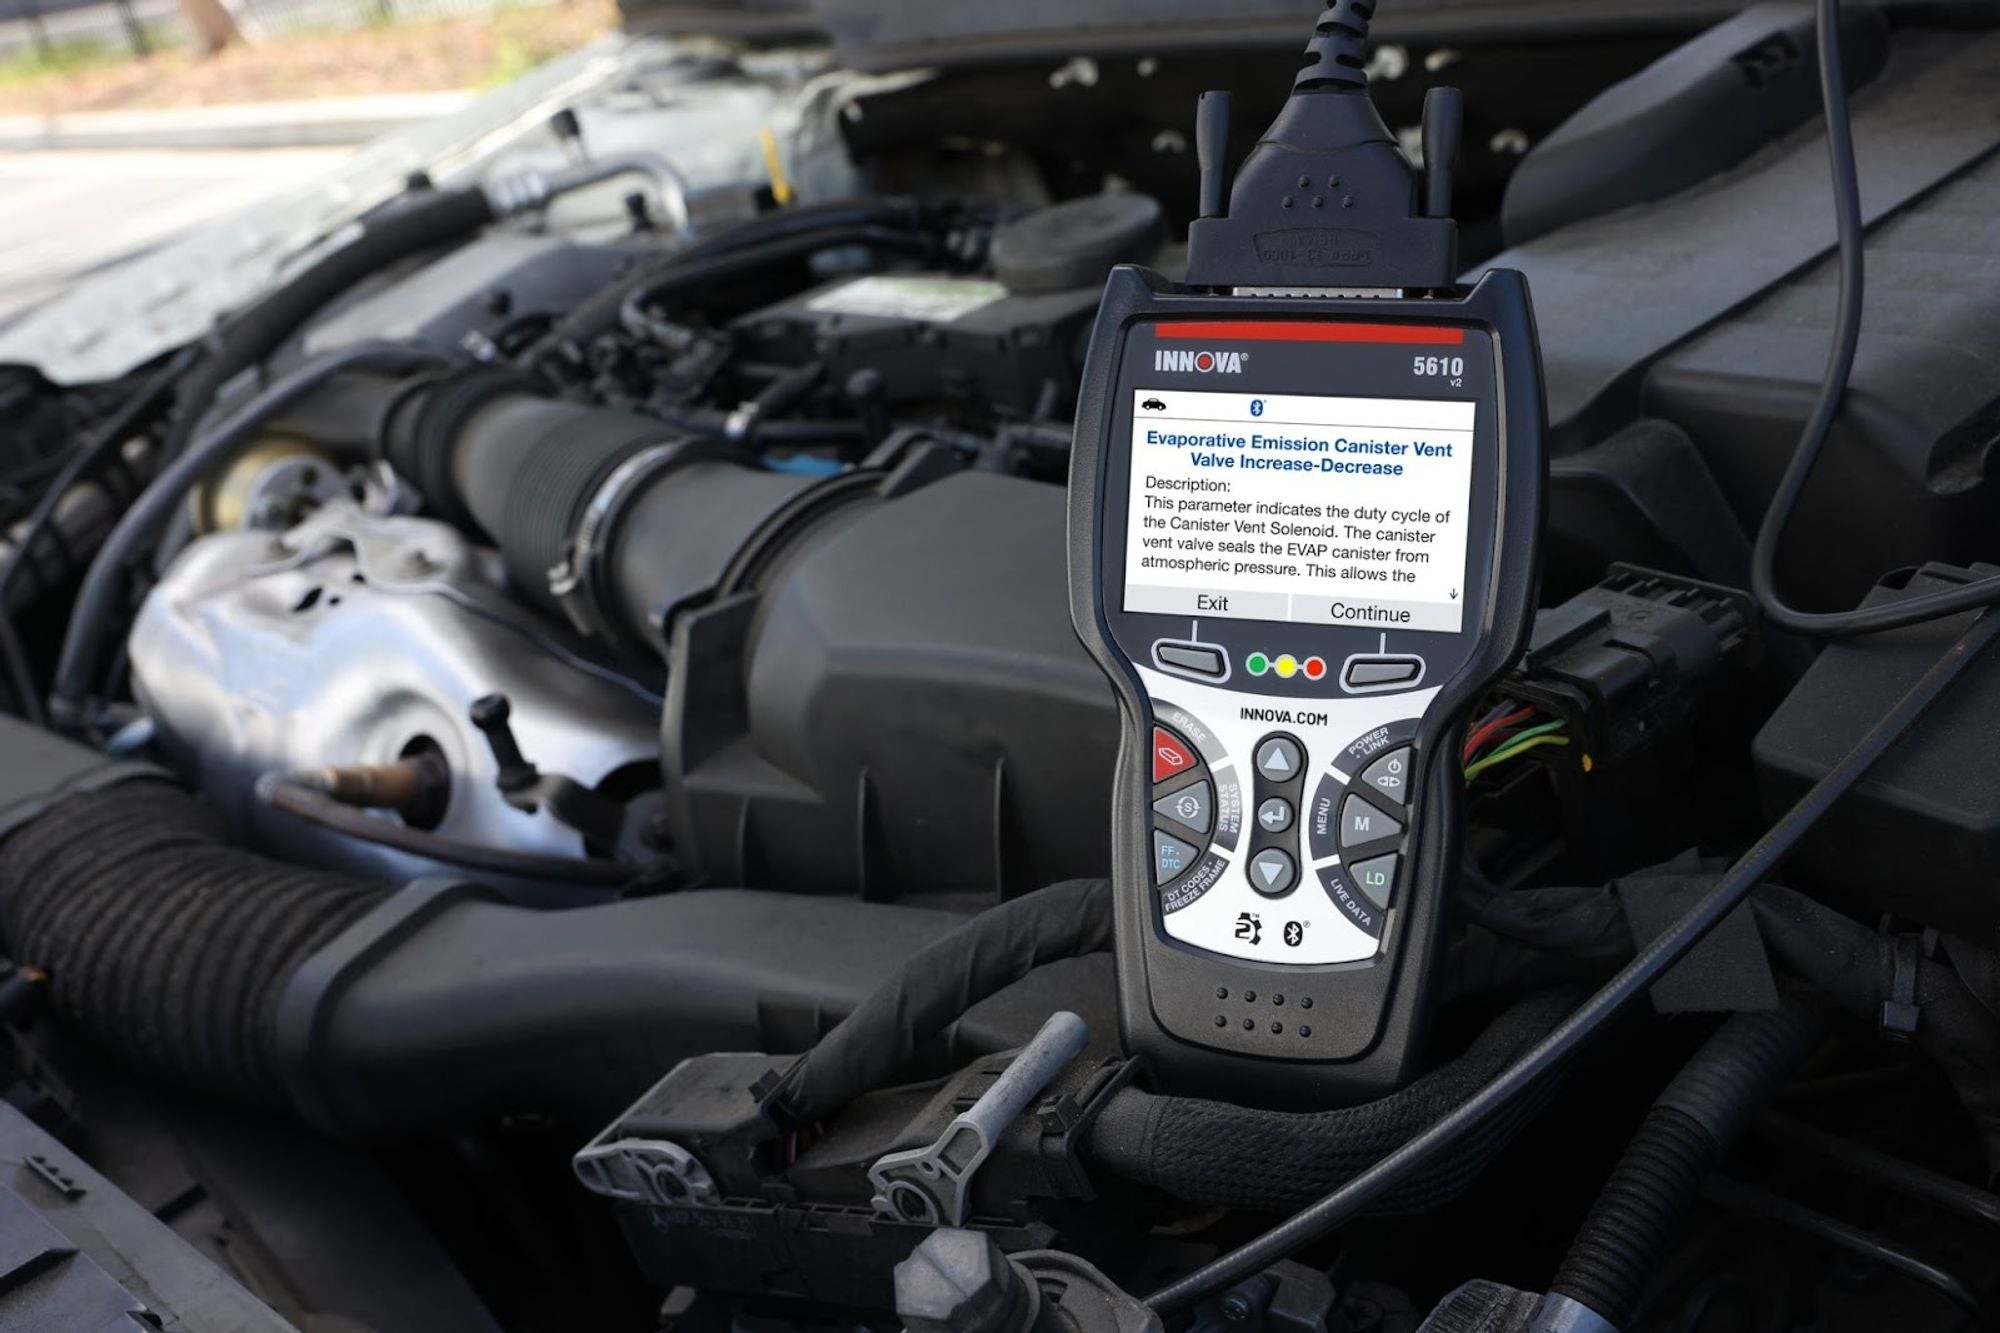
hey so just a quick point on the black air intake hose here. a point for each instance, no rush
(1687, 1131)
(420, 222)
(162, 943)
(1241, 1157)
(654, 517)
(372, 1010)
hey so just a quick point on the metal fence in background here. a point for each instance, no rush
(260, 18)
(53, 30)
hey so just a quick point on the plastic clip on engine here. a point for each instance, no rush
(931, 1185)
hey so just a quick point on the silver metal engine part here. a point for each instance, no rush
(357, 638)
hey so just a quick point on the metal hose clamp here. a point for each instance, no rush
(577, 580)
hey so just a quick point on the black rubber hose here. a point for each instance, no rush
(992, 950)
(163, 944)
(1683, 1137)
(104, 586)
(1744, 1199)
(1847, 961)
(444, 1008)
(600, 313)
(1232, 1156)
(690, 273)
(1856, 968)
(519, 467)
(42, 526)
(533, 473)
(423, 222)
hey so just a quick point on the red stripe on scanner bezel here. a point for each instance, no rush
(1310, 331)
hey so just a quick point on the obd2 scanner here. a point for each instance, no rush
(1305, 504)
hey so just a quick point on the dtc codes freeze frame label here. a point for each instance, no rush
(1304, 508)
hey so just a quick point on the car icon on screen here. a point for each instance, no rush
(1154, 405)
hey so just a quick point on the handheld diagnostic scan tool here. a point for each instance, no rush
(1304, 511)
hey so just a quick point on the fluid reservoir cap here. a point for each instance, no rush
(1075, 244)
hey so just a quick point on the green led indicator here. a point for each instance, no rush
(1258, 664)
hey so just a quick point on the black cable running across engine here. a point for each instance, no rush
(1632, 982)
(1833, 388)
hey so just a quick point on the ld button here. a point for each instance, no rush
(1377, 879)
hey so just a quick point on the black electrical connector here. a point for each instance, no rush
(1642, 676)
(1327, 199)
(1619, 663)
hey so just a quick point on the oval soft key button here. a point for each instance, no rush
(1192, 659)
(1365, 674)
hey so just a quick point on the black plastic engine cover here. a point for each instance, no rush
(902, 708)
(1920, 835)
(933, 337)
(1712, 310)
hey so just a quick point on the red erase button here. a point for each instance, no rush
(1169, 755)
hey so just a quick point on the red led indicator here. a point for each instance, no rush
(1315, 667)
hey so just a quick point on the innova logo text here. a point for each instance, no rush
(1220, 363)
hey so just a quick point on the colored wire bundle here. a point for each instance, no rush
(1505, 733)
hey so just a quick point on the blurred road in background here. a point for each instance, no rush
(68, 213)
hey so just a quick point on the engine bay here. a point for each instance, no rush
(554, 785)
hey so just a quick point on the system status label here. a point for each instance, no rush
(1309, 509)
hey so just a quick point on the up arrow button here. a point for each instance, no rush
(1279, 759)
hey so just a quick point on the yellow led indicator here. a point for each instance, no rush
(1287, 666)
